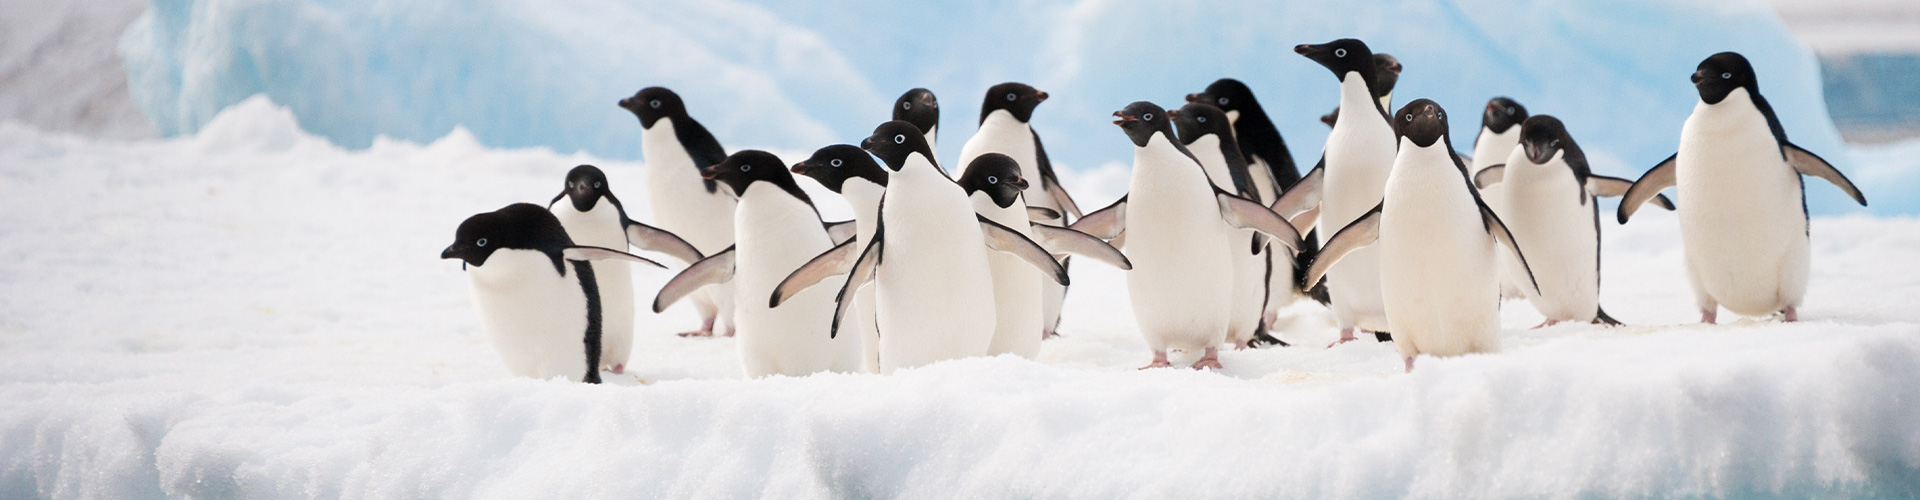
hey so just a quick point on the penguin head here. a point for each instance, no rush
(894, 141)
(1342, 56)
(998, 175)
(1423, 121)
(833, 165)
(1227, 94)
(1502, 114)
(520, 226)
(1720, 74)
(1018, 99)
(919, 108)
(1196, 120)
(746, 167)
(1141, 120)
(1386, 74)
(586, 184)
(1542, 137)
(653, 103)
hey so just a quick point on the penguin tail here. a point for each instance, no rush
(1383, 336)
(1601, 318)
(1263, 338)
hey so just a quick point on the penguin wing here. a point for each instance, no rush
(1501, 235)
(1052, 182)
(1306, 221)
(598, 253)
(1650, 184)
(1807, 163)
(1305, 194)
(1063, 240)
(1362, 232)
(1042, 214)
(714, 269)
(1007, 240)
(1248, 214)
(1601, 185)
(702, 147)
(1494, 174)
(841, 232)
(1106, 223)
(833, 262)
(654, 239)
(860, 274)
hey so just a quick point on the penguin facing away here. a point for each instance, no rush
(589, 221)
(536, 293)
(850, 171)
(1743, 224)
(1204, 130)
(676, 148)
(1436, 241)
(1499, 135)
(920, 108)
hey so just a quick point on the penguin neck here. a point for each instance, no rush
(864, 196)
(917, 166)
(933, 146)
(1414, 156)
(1233, 122)
(1001, 121)
(1492, 147)
(1356, 98)
(1735, 111)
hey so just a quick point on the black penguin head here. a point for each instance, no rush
(1342, 56)
(1543, 136)
(519, 226)
(998, 175)
(833, 165)
(1386, 74)
(1721, 73)
(1423, 121)
(1196, 120)
(653, 103)
(894, 141)
(1017, 98)
(1141, 120)
(1502, 114)
(919, 108)
(586, 184)
(746, 167)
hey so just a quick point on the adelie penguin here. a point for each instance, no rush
(1436, 241)
(1499, 136)
(920, 108)
(1743, 212)
(779, 230)
(1177, 226)
(1553, 206)
(1005, 127)
(933, 286)
(850, 171)
(1386, 74)
(676, 148)
(593, 216)
(536, 293)
(1204, 130)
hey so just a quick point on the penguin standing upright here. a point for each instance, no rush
(676, 149)
(590, 222)
(1385, 75)
(1436, 242)
(537, 296)
(920, 108)
(1739, 179)
(1005, 128)
(1499, 135)
(1204, 130)
(850, 171)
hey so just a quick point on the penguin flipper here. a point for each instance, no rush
(1303, 195)
(717, 268)
(599, 253)
(1661, 177)
(1063, 240)
(1306, 221)
(833, 262)
(1362, 232)
(654, 239)
(861, 273)
(1105, 223)
(1494, 174)
(1505, 238)
(1051, 182)
(1007, 240)
(1807, 163)
(1601, 185)
(841, 232)
(1248, 214)
(1042, 214)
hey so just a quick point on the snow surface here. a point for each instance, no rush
(59, 69)
(252, 311)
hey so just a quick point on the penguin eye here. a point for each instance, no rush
(1339, 52)
(1726, 76)
(746, 168)
(1409, 117)
(481, 243)
(1554, 144)
(1509, 110)
(1011, 97)
(1223, 101)
(900, 138)
(906, 105)
(596, 185)
(993, 180)
(1148, 116)
(835, 162)
(655, 104)
(1201, 119)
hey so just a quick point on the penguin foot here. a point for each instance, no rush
(1791, 314)
(1209, 361)
(1544, 324)
(1240, 345)
(1709, 315)
(1409, 364)
(1346, 335)
(1049, 334)
(1159, 361)
(618, 369)
(696, 333)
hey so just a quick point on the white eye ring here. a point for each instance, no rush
(1554, 144)
(900, 138)
(1339, 52)
(654, 103)
(1201, 119)
(1509, 110)
(1409, 117)
(1011, 97)
(596, 185)
(835, 162)
(1148, 116)
(993, 180)
(481, 243)
(746, 168)
(1726, 76)
(1223, 101)
(906, 105)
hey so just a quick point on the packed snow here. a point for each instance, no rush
(253, 311)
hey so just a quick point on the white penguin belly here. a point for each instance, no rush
(1360, 152)
(1181, 282)
(1249, 267)
(934, 288)
(1436, 259)
(1001, 133)
(682, 205)
(602, 227)
(779, 233)
(535, 318)
(1016, 286)
(1488, 150)
(865, 197)
(1741, 217)
(1557, 233)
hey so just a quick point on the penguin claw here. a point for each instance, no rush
(1209, 361)
(696, 333)
(1346, 335)
(1544, 324)
(1158, 363)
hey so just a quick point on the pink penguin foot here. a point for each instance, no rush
(706, 329)
(1346, 335)
(619, 369)
(1544, 324)
(1792, 314)
(1409, 365)
(1159, 361)
(1209, 361)
(1708, 316)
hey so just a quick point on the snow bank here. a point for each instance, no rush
(255, 312)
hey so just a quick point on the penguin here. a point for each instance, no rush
(538, 299)
(1552, 204)
(850, 171)
(994, 185)
(1436, 240)
(1386, 73)
(920, 108)
(933, 286)
(590, 222)
(676, 148)
(1005, 128)
(1499, 135)
(1204, 131)
(1177, 227)
(778, 230)
(1744, 237)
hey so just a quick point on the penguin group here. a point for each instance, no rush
(1398, 233)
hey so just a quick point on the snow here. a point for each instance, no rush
(253, 311)
(58, 69)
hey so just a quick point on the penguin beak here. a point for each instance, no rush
(1192, 98)
(711, 172)
(801, 168)
(1042, 95)
(1305, 49)
(1429, 112)
(1173, 114)
(448, 253)
(1699, 76)
(1395, 68)
(1124, 118)
(867, 144)
(1019, 183)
